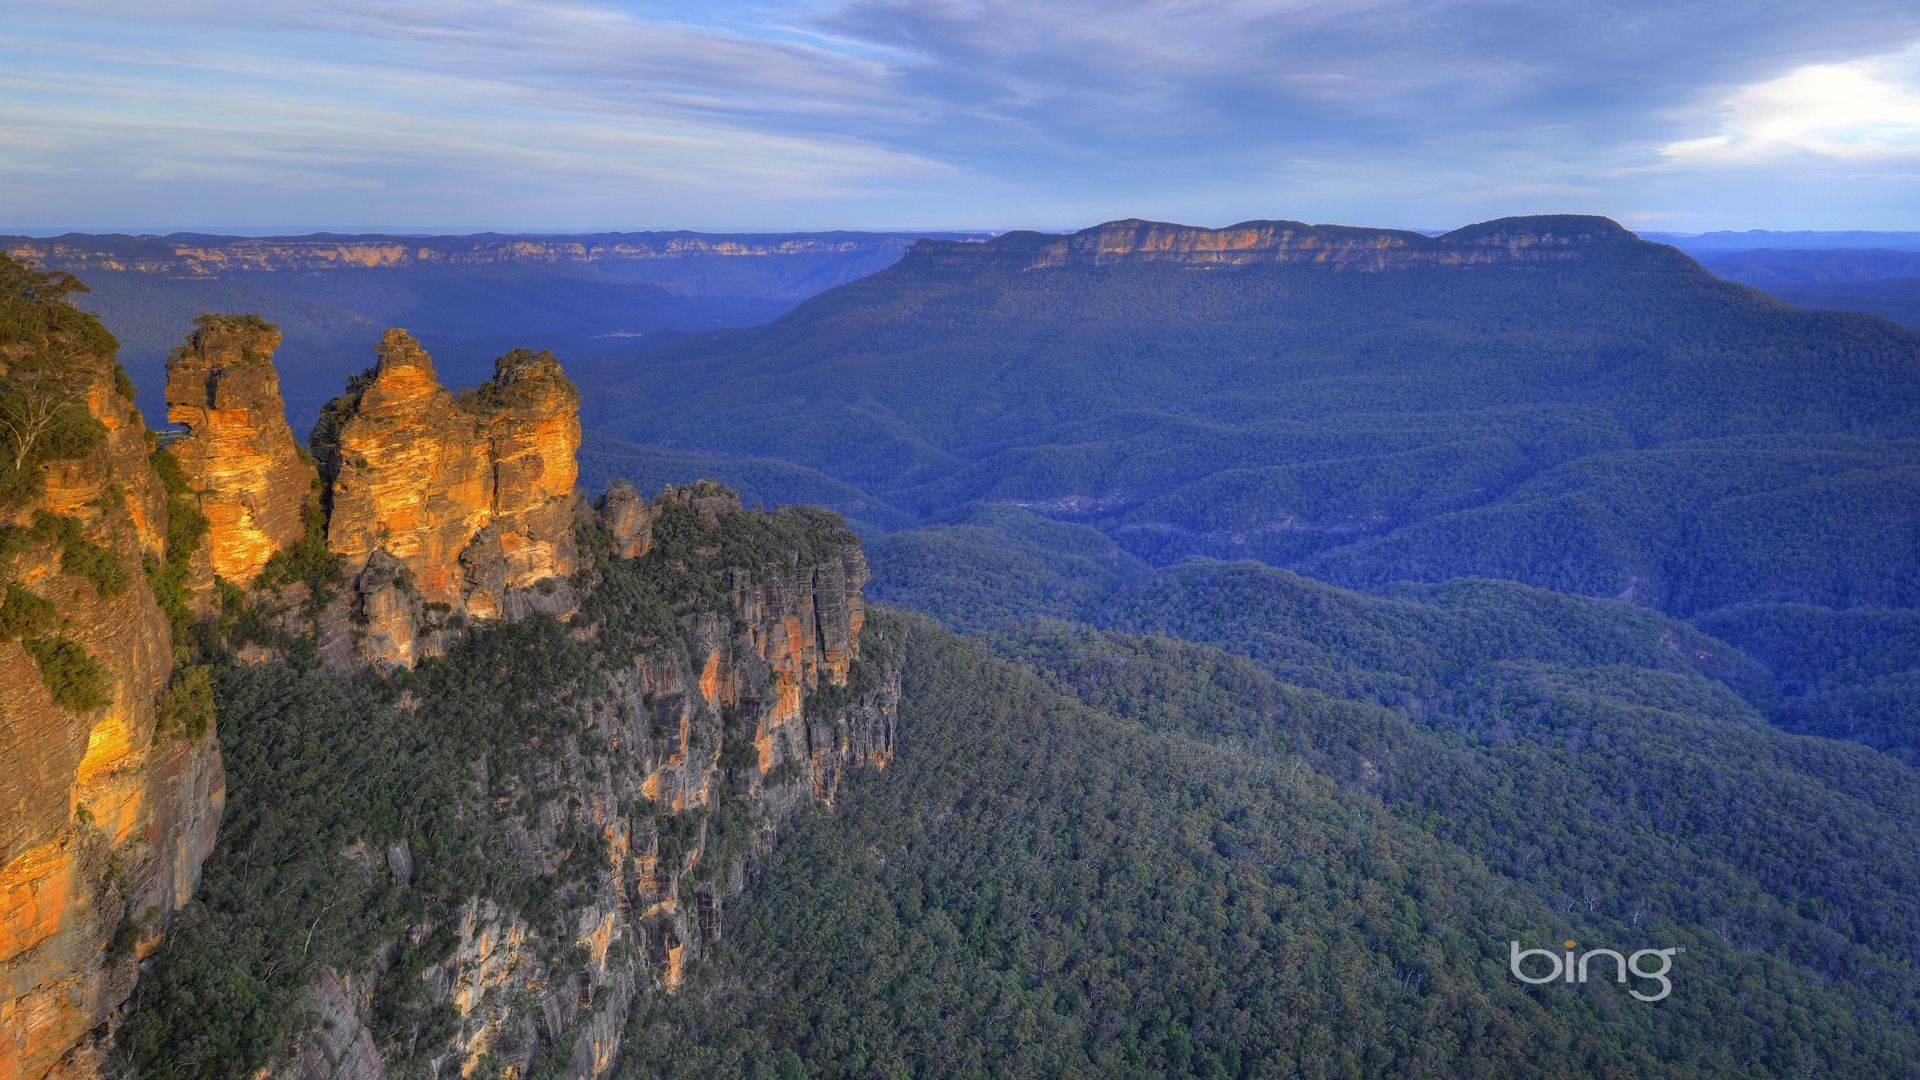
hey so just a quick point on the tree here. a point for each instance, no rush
(31, 412)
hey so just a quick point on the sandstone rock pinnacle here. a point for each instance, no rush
(252, 481)
(469, 497)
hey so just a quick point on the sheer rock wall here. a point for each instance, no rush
(104, 817)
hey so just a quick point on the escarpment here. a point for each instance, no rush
(445, 508)
(250, 479)
(111, 786)
(1532, 241)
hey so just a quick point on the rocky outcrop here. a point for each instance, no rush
(107, 806)
(251, 481)
(1529, 241)
(735, 691)
(628, 518)
(448, 506)
(686, 765)
(530, 414)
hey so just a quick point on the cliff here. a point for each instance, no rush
(615, 740)
(1529, 241)
(111, 785)
(442, 507)
(601, 789)
(200, 255)
(249, 478)
(707, 744)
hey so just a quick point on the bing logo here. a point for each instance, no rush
(1564, 968)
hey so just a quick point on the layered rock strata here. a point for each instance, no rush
(1531, 241)
(251, 480)
(202, 256)
(105, 814)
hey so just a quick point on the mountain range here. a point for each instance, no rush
(1281, 628)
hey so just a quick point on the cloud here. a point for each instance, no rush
(930, 112)
(1860, 109)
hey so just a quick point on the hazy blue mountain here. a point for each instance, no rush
(468, 298)
(1043, 418)
(1877, 281)
(1563, 422)
(1753, 239)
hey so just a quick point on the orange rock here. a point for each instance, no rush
(90, 795)
(238, 454)
(407, 470)
(468, 498)
(532, 417)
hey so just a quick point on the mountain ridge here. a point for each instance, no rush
(1538, 239)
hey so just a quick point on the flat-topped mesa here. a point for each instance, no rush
(208, 255)
(444, 504)
(1505, 242)
(251, 479)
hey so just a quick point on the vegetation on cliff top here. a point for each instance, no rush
(50, 354)
(45, 347)
(327, 774)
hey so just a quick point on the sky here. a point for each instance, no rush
(465, 115)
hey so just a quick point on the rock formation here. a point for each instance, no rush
(628, 518)
(764, 704)
(252, 482)
(448, 506)
(106, 811)
(730, 708)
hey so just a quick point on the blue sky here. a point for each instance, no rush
(468, 114)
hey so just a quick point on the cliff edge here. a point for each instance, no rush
(111, 784)
(1518, 241)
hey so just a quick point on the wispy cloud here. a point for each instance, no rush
(938, 112)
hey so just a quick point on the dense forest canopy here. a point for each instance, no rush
(1333, 635)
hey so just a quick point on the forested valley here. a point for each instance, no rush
(1256, 654)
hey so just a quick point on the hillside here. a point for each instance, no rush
(1604, 567)
(1137, 857)
(1877, 281)
(1296, 407)
(1025, 425)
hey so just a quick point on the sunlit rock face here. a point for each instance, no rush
(253, 483)
(105, 817)
(531, 415)
(407, 469)
(465, 500)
